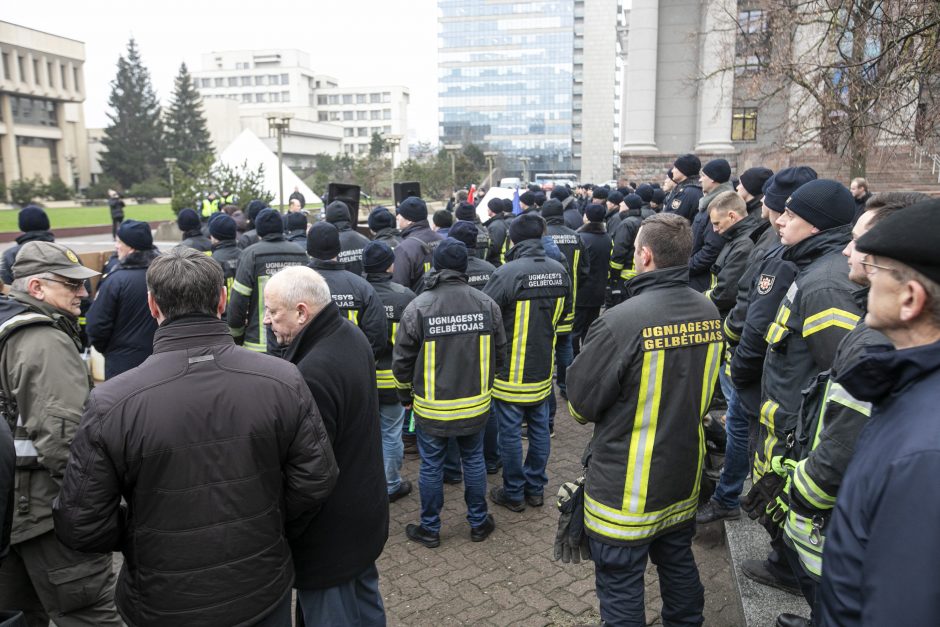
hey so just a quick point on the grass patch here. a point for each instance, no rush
(68, 217)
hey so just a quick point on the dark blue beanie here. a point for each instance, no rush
(222, 226)
(450, 255)
(269, 222)
(33, 218)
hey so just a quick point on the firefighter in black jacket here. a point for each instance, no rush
(481, 249)
(351, 241)
(450, 344)
(685, 198)
(258, 263)
(597, 246)
(382, 224)
(645, 377)
(353, 295)
(224, 250)
(621, 255)
(377, 260)
(413, 254)
(729, 218)
(478, 270)
(498, 226)
(533, 292)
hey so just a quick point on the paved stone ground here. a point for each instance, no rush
(511, 579)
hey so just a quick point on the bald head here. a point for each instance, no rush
(292, 299)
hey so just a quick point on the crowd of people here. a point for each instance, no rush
(264, 377)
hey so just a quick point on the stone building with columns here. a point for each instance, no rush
(42, 124)
(680, 93)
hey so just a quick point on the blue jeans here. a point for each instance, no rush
(431, 477)
(393, 449)
(619, 571)
(491, 443)
(528, 477)
(737, 464)
(452, 469)
(356, 602)
(564, 355)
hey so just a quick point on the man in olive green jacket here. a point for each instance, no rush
(43, 386)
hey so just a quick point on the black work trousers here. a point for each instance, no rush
(619, 575)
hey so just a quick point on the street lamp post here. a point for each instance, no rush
(525, 169)
(279, 125)
(72, 173)
(490, 157)
(170, 166)
(452, 149)
(392, 141)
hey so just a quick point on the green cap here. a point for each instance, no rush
(38, 257)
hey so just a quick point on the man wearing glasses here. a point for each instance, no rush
(43, 387)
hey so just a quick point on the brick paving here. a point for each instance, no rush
(511, 579)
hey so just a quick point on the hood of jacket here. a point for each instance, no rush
(823, 243)
(677, 276)
(884, 371)
(437, 278)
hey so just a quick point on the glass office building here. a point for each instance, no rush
(505, 78)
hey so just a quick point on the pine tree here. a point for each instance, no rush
(187, 136)
(134, 139)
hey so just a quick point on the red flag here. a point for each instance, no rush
(473, 189)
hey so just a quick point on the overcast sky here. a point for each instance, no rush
(360, 42)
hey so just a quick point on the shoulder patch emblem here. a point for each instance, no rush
(765, 283)
(676, 203)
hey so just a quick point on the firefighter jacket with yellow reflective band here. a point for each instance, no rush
(816, 313)
(731, 264)
(533, 293)
(258, 263)
(498, 227)
(577, 263)
(621, 254)
(645, 377)
(479, 272)
(356, 300)
(830, 422)
(449, 345)
(394, 299)
(45, 383)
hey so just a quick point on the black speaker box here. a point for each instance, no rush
(405, 189)
(347, 193)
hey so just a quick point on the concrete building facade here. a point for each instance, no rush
(42, 124)
(239, 87)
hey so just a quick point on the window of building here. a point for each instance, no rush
(746, 64)
(348, 132)
(245, 81)
(233, 81)
(744, 124)
(360, 99)
(348, 148)
(274, 79)
(274, 97)
(219, 82)
(76, 79)
(347, 99)
(6, 66)
(35, 71)
(347, 115)
(50, 75)
(246, 97)
(752, 21)
(261, 97)
(334, 100)
(323, 116)
(21, 66)
(62, 75)
(362, 148)
(387, 130)
(362, 131)
(375, 98)
(334, 116)
(33, 111)
(386, 96)
(261, 80)
(386, 114)
(285, 79)
(362, 115)
(43, 144)
(321, 100)
(375, 114)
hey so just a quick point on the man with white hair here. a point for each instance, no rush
(334, 557)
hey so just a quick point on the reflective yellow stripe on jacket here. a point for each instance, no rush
(384, 378)
(433, 408)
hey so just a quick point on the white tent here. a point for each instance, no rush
(247, 148)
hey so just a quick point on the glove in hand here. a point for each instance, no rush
(571, 543)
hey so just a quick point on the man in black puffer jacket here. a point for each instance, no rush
(351, 241)
(120, 326)
(220, 454)
(334, 556)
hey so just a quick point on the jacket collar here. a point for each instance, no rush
(554, 220)
(327, 321)
(35, 236)
(710, 196)
(227, 243)
(378, 277)
(389, 231)
(593, 227)
(657, 279)
(884, 371)
(690, 181)
(273, 237)
(822, 243)
(526, 248)
(326, 264)
(192, 233)
(754, 206)
(498, 216)
(420, 225)
(342, 225)
(436, 278)
(744, 226)
(189, 332)
(860, 296)
(139, 259)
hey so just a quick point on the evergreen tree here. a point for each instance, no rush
(134, 139)
(187, 136)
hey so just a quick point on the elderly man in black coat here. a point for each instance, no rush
(337, 581)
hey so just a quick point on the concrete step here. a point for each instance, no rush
(760, 604)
